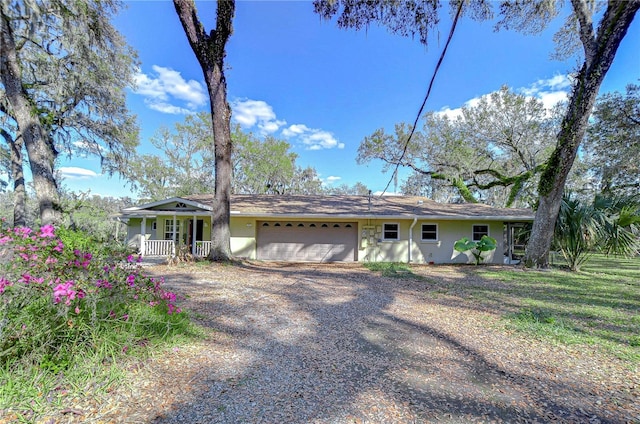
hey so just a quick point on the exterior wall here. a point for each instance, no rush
(448, 233)
(375, 249)
(370, 245)
(133, 231)
(243, 237)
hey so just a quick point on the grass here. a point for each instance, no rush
(35, 385)
(598, 306)
(391, 269)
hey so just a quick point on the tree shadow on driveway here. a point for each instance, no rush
(337, 344)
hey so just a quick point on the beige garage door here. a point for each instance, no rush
(307, 241)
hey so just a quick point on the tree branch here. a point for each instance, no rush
(586, 32)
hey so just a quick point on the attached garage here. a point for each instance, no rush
(307, 241)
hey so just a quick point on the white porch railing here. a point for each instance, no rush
(158, 247)
(165, 248)
(203, 248)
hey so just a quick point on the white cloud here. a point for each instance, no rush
(549, 91)
(457, 112)
(258, 113)
(295, 130)
(312, 138)
(168, 86)
(167, 108)
(332, 179)
(250, 113)
(75, 173)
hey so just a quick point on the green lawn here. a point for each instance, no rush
(598, 306)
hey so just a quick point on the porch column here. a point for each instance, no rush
(509, 242)
(194, 226)
(143, 235)
(173, 248)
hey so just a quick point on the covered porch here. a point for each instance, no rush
(175, 234)
(170, 228)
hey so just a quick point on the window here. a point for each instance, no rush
(429, 232)
(348, 226)
(168, 229)
(301, 225)
(289, 224)
(312, 225)
(336, 225)
(266, 224)
(391, 231)
(479, 230)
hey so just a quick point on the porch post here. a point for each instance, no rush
(173, 249)
(143, 235)
(193, 235)
(510, 242)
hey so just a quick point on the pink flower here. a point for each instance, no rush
(171, 297)
(77, 310)
(64, 290)
(47, 231)
(131, 279)
(22, 231)
(130, 258)
(4, 283)
(172, 308)
(59, 247)
(51, 260)
(26, 278)
(5, 239)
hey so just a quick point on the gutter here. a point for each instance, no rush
(415, 219)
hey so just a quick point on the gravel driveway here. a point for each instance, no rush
(314, 343)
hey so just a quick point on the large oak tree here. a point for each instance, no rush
(63, 74)
(210, 50)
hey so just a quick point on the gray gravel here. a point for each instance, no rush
(337, 344)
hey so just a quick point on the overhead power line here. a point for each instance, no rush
(424, 102)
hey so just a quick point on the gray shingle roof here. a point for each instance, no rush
(361, 207)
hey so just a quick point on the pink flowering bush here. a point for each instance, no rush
(61, 295)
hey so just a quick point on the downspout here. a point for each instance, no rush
(413, 224)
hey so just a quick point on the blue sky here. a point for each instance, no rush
(323, 89)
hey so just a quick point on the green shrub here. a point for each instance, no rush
(65, 301)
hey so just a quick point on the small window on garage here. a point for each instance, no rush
(479, 230)
(391, 231)
(289, 224)
(348, 226)
(301, 225)
(265, 224)
(336, 225)
(429, 232)
(312, 225)
(325, 226)
(277, 224)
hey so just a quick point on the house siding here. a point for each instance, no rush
(370, 245)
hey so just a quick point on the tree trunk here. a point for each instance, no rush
(19, 189)
(17, 175)
(210, 52)
(39, 149)
(599, 54)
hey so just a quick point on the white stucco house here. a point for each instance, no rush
(325, 228)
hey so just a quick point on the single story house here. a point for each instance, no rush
(326, 228)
